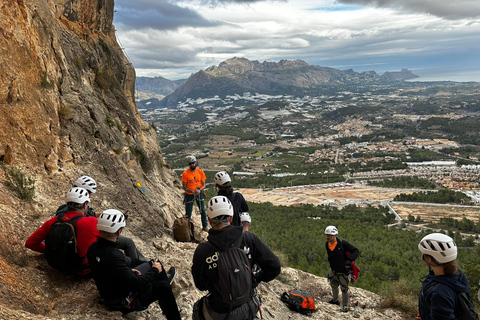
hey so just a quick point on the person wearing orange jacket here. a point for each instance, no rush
(193, 181)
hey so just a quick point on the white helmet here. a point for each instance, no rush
(331, 230)
(86, 183)
(440, 246)
(110, 221)
(221, 178)
(191, 159)
(77, 195)
(219, 206)
(244, 216)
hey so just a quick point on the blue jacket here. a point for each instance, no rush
(439, 301)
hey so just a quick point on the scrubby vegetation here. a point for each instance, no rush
(18, 182)
(442, 196)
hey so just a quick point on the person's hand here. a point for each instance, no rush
(157, 264)
(138, 273)
(197, 191)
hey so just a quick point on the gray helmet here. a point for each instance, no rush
(77, 195)
(440, 246)
(86, 183)
(110, 221)
(191, 159)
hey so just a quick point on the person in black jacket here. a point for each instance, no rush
(340, 256)
(438, 298)
(204, 268)
(125, 289)
(223, 183)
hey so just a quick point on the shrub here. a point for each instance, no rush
(17, 256)
(24, 187)
(45, 83)
(110, 121)
(401, 295)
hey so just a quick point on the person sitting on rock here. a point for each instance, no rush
(124, 243)
(123, 288)
(86, 229)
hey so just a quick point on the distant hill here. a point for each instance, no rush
(158, 85)
(239, 75)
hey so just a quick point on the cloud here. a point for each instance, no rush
(160, 14)
(178, 38)
(448, 9)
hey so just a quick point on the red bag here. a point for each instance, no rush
(354, 268)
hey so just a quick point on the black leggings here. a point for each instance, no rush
(160, 291)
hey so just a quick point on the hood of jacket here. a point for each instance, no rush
(457, 282)
(225, 237)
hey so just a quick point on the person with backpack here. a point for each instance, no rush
(440, 297)
(222, 266)
(58, 239)
(193, 182)
(223, 183)
(341, 254)
(124, 243)
(123, 288)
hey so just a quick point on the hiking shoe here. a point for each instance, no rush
(334, 302)
(344, 309)
(171, 274)
(205, 229)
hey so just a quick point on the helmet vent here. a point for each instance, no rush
(441, 246)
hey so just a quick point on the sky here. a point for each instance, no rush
(436, 39)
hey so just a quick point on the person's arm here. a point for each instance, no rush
(198, 271)
(243, 203)
(354, 252)
(35, 241)
(265, 258)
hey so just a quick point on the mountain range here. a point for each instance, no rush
(239, 75)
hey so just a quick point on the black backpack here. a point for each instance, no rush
(299, 300)
(234, 274)
(61, 246)
(464, 308)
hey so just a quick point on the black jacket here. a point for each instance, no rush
(338, 259)
(238, 202)
(114, 279)
(204, 268)
(439, 302)
(64, 209)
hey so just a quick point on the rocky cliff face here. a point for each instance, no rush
(67, 109)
